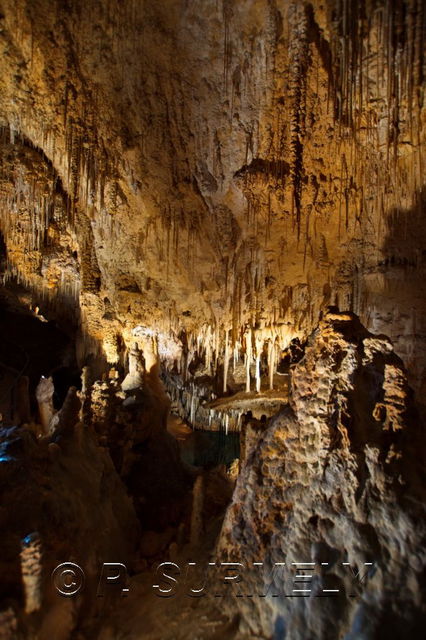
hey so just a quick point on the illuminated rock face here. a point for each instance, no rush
(200, 182)
(334, 479)
(217, 170)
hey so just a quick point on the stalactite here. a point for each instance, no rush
(271, 362)
(298, 54)
(248, 356)
(258, 382)
(226, 362)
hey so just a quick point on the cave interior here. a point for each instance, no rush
(212, 319)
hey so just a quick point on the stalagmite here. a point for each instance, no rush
(197, 511)
(85, 395)
(44, 395)
(135, 377)
(31, 570)
(67, 418)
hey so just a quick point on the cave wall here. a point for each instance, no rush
(217, 168)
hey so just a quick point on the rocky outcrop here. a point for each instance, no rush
(334, 480)
(61, 501)
(132, 424)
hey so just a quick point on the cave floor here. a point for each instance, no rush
(143, 615)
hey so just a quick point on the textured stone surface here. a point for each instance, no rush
(178, 166)
(69, 494)
(335, 478)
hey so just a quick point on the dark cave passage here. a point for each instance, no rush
(32, 347)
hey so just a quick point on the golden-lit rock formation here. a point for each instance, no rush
(333, 483)
(211, 215)
(236, 167)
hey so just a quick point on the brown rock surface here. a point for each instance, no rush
(333, 480)
(183, 167)
(67, 494)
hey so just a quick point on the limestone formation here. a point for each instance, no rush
(333, 488)
(220, 186)
(44, 395)
(31, 568)
(197, 511)
(135, 378)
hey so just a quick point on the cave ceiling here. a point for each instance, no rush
(217, 171)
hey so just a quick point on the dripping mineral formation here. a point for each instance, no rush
(212, 314)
